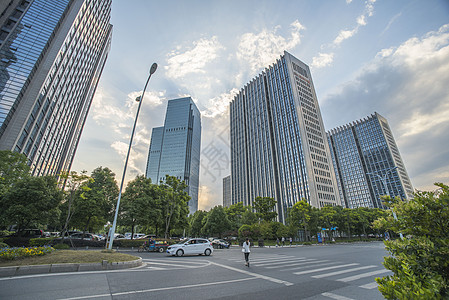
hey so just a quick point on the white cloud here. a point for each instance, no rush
(322, 60)
(194, 60)
(220, 104)
(262, 49)
(407, 85)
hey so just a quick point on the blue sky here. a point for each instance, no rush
(390, 57)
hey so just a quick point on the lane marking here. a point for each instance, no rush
(352, 278)
(335, 296)
(325, 269)
(278, 262)
(369, 286)
(343, 271)
(275, 280)
(305, 261)
(318, 262)
(159, 289)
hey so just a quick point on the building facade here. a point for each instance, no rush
(175, 147)
(367, 163)
(278, 142)
(227, 200)
(52, 54)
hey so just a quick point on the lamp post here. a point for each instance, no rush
(140, 99)
(384, 183)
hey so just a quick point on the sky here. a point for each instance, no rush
(389, 57)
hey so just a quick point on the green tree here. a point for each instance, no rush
(31, 201)
(264, 207)
(174, 198)
(13, 168)
(419, 262)
(75, 186)
(235, 213)
(299, 216)
(197, 222)
(141, 205)
(327, 214)
(216, 222)
(96, 206)
(249, 217)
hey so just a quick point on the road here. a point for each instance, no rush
(343, 271)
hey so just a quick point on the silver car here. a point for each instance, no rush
(191, 246)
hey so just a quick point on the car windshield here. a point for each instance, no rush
(183, 241)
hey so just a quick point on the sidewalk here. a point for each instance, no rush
(61, 268)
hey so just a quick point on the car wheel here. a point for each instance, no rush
(179, 253)
(161, 250)
(207, 252)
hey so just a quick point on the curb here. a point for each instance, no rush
(61, 268)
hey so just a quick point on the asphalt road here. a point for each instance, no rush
(306, 272)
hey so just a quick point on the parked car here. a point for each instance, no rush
(85, 236)
(191, 246)
(29, 233)
(217, 243)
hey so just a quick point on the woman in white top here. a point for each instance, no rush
(245, 250)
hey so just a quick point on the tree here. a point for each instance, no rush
(216, 222)
(264, 207)
(300, 215)
(140, 204)
(13, 168)
(31, 201)
(235, 213)
(197, 222)
(97, 205)
(249, 218)
(75, 186)
(174, 198)
(419, 262)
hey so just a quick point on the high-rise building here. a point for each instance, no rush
(227, 201)
(52, 54)
(278, 142)
(175, 147)
(367, 163)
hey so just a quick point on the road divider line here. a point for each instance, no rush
(343, 271)
(324, 269)
(355, 277)
(335, 296)
(275, 280)
(369, 286)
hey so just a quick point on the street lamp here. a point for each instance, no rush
(384, 182)
(139, 99)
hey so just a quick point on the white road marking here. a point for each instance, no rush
(287, 261)
(319, 264)
(355, 277)
(343, 271)
(305, 261)
(159, 289)
(369, 286)
(335, 296)
(255, 274)
(324, 269)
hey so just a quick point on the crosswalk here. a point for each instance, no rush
(173, 264)
(354, 273)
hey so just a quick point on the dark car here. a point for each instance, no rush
(29, 233)
(220, 244)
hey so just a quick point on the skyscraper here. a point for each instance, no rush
(227, 200)
(175, 147)
(366, 158)
(278, 141)
(52, 54)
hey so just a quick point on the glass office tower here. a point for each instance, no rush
(175, 147)
(367, 163)
(52, 54)
(278, 142)
(227, 200)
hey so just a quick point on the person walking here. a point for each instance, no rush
(291, 240)
(283, 241)
(246, 251)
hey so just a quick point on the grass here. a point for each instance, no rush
(69, 256)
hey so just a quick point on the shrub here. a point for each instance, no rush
(61, 246)
(3, 245)
(40, 242)
(307, 243)
(420, 262)
(14, 253)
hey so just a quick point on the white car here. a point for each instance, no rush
(191, 246)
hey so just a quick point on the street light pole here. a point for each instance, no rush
(140, 99)
(384, 183)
